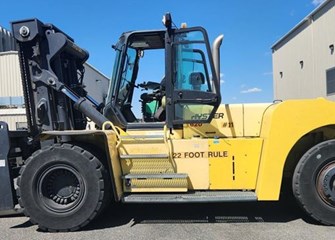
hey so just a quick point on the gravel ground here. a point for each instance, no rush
(196, 221)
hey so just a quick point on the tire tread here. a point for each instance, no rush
(296, 184)
(91, 160)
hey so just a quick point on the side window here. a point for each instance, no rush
(112, 86)
(194, 94)
(147, 98)
(191, 71)
(126, 77)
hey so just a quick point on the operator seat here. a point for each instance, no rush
(197, 79)
(160, 114)
(128, 113)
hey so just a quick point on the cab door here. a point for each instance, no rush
(193, 93)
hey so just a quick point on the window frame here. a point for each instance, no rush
(175, 96)
(328, 71)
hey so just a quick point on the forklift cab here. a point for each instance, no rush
(186, 92)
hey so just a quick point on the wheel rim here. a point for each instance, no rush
(326, 184)
(60, 189)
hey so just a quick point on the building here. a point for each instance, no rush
(95, 83)
(7, 42)
(304, 59)
(12, 108)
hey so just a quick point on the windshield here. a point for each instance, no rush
(136, 89)
(111, 91)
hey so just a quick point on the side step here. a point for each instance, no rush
(166, 182)
(142, 137)
(195, 197)
(155, 176)
(143, 156)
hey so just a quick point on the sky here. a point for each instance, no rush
(250, 28)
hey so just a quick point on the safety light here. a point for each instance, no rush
(167, 20)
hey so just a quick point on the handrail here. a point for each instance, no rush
(169, 145)
(117, 131)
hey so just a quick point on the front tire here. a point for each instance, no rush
(314, 182)
(62, 187)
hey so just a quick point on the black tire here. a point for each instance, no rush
(99, 153)
(314, 182)
(61, 187)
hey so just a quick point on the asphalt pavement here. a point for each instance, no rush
(269, 220)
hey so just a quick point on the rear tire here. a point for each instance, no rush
(62, 187)
(314, 182)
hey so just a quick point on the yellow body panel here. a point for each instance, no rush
(189, 157)
(234, 120)
(283, 125)
(252, 118)
(234, 163)
(227, 122)
(225, 161)
(115, 162)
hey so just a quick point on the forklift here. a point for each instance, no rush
(185, 147)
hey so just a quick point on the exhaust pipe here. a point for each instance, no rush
(216, 57)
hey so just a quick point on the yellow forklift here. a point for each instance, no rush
(186, 146)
